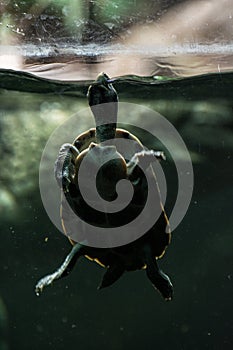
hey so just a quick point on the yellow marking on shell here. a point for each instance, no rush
(169, 232)
(62, 221)
(85, 138)
(161, 255)
(64, 228)
(95, 260)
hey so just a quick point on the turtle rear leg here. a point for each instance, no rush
(113, 273)
(62, 271)
(158, 278)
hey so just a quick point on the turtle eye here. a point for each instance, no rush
(106, 76)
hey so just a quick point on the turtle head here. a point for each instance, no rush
(103, 101)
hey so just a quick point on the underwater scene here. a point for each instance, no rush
(166, 280)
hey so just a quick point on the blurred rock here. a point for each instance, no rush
(159, 38)
(25, 127)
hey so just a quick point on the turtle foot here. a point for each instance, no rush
(160, 281)
(43, 282)
(163, 284)
(62, 271)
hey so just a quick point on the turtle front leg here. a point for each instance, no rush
(143, 158)
(65, 166)
(158, 278)
(62, 271)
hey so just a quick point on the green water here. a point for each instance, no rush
(130, 314)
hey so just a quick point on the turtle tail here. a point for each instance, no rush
(113, 273)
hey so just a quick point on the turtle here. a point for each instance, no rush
(139, 254)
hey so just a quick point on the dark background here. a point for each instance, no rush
(72, 313)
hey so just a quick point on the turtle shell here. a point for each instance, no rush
(83, 144)
(131, 254)
(84, 140)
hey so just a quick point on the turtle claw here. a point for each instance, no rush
(164, 286)
(161, 282)
(43, 282)
(65, 184)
